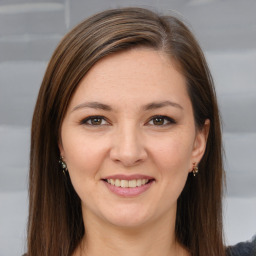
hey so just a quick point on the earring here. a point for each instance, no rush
(63, 165)
(195, 169)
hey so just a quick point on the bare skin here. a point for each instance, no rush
(145, 128)
(148, 240)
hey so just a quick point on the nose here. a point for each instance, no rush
(128, 146)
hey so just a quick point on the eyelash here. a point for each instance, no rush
(90, 118)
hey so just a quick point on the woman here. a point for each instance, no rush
(128, 108)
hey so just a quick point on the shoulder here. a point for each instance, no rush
(243, 249)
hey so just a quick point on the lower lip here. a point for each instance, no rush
(128, 192)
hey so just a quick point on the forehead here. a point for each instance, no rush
(137, 75)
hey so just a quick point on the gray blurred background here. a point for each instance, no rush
(30, 31)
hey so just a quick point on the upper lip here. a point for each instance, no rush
(128, 177)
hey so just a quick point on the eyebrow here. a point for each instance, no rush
(150, 106)
(156, 105)
(95, 105)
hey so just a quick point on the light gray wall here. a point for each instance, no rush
(29, 32)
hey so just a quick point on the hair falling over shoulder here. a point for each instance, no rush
(55, 224)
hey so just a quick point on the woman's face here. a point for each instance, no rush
(129, 138)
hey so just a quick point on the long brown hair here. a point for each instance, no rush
(55, 225)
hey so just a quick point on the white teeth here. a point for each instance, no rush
(138, 183)
(127, 183)
(117, 183)
(132, 183)
(124, 183)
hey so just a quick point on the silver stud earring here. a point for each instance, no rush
(63, 165)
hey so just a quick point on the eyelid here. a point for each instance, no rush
(169, 119)
(84, 121)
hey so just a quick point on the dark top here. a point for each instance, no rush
(243, 248)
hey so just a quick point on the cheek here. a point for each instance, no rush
(173, 155)
(83, 154)
(171, 160)
(84, 158)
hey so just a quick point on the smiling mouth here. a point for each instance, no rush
(128, 183)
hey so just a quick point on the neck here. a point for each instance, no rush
(103, 238)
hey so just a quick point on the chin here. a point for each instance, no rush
(127, 222)
(127, 217)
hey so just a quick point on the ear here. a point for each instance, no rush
(200, 143)
(61, 148)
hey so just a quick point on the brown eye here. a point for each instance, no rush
(158, 121)
(94, 121)
(161, 121)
